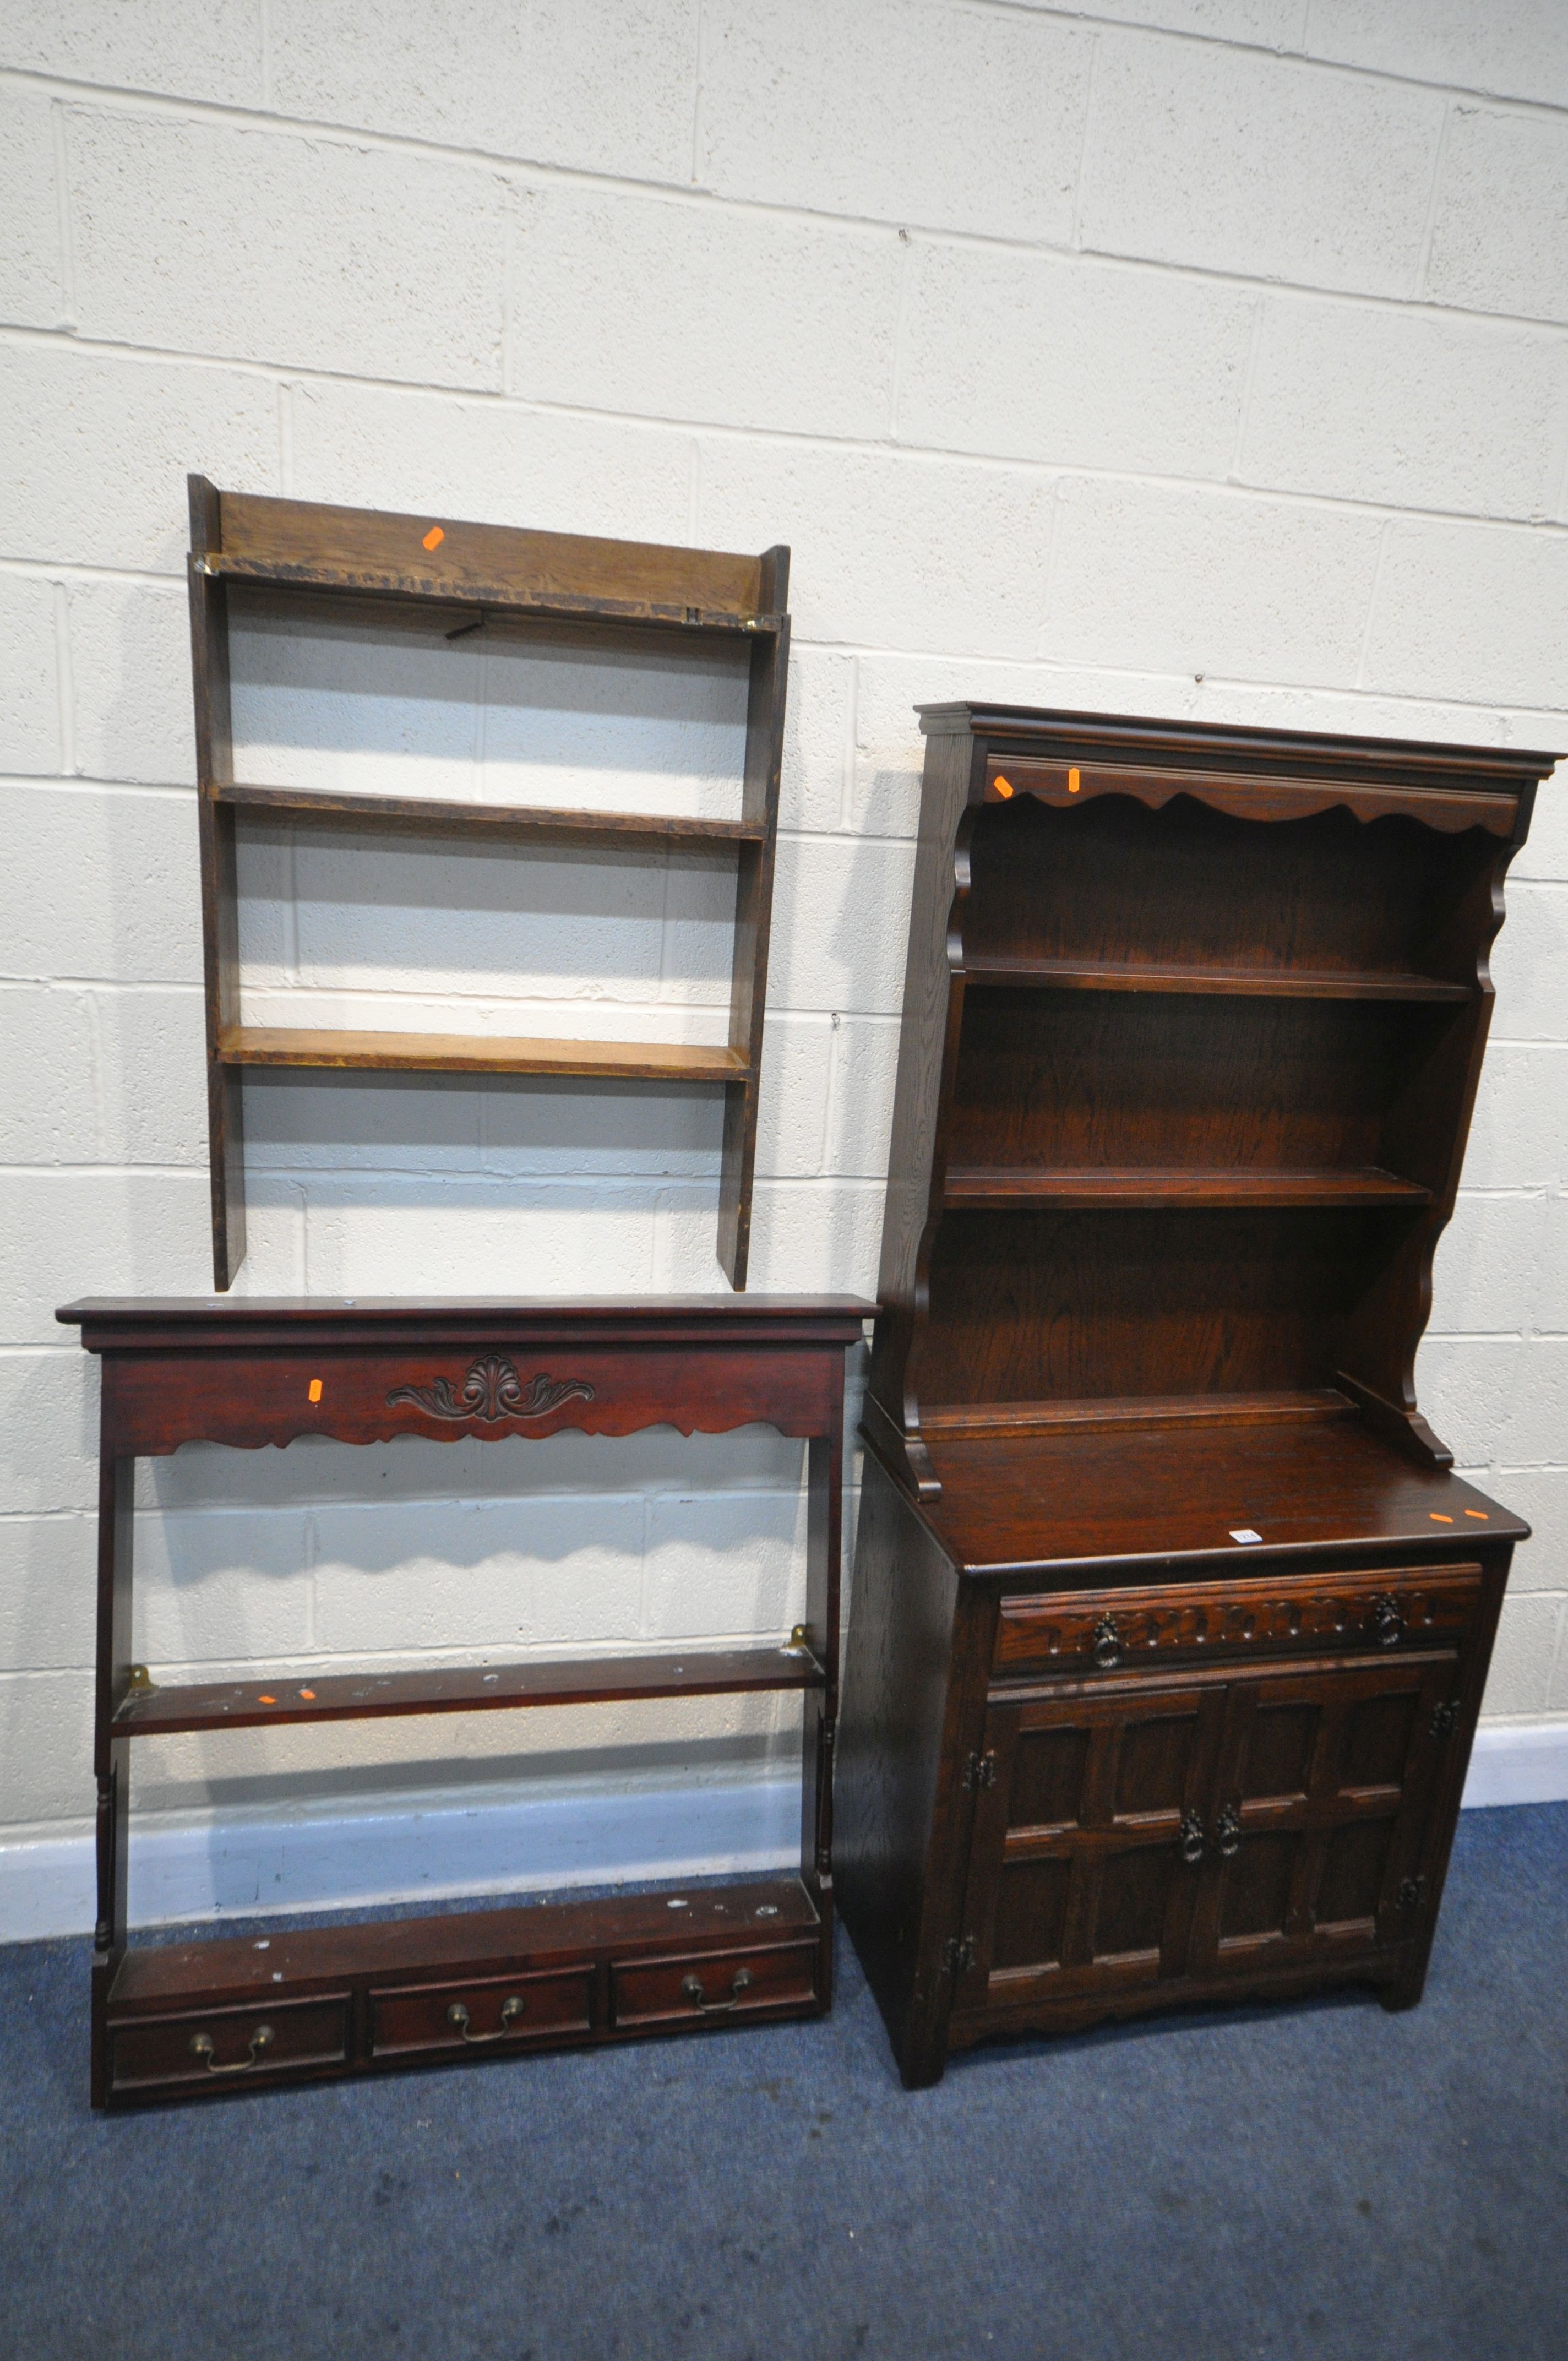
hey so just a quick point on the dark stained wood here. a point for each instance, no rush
(461, 1688)
(254, 1372)
(176, 1374)
(1146, 1189)
(220, 886)
(294, 553)
(753, 919)
(1162, 1623)
(1193, 1024)
(1084, 1498)
(1263, 797)
(319, 546)
(1269, 983)
(323, 2003)
(476, 1053)
(420, 815)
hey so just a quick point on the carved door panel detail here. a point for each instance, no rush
(1087, 1846)
(1321, 1805)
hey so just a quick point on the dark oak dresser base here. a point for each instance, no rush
(1194, 1771)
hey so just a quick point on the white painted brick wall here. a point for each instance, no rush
(1191, 356)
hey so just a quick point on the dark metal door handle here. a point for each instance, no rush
(1192, 1839)
(1107, 1645)
(1388, 1621)
(1228, 1833)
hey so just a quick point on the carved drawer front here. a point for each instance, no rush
(1391, 1608)
(224, 2047)
(719, 1984)
(492, 2012)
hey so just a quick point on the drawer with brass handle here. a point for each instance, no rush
(714, 1984)
(479, 2014)
(224, 2047)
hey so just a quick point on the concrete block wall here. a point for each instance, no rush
(1174, 357)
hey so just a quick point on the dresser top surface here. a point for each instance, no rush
(240, 1322)
(1070, 1505)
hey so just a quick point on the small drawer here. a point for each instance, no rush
(223, 2047)
(720, 1985)
(496, 2012)
(1121, 1631)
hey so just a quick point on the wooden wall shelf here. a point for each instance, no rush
(462, 574)
(176, 2020)
(1170, 1623)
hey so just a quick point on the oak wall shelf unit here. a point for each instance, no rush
(610, 593)
(1170, 1620)
(185, 2019)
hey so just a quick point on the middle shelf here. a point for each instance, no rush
(480, 1053)
(462, 1688)
(1143, 1189)
(1277, 982)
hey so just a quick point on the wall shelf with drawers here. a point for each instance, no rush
(1170, 1622)
(179, 2019)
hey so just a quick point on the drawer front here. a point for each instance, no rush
(223, 2047)
(496, 2012)
(720, 1985)
(1106, 1632)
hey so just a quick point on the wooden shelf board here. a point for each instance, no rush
(475, 595)
(425, 816)
(1137, 1190)
(461, 1688)
(1105, 1413)
(1091, 1505)
(1271, 983)
(240, 1968)
(473, 1053)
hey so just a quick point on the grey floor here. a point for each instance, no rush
(1318, 2179)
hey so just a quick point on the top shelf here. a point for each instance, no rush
(307, 545)
(1271, 983)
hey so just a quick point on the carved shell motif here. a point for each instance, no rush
(492, 1392)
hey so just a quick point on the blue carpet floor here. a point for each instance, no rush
(1319, 2179)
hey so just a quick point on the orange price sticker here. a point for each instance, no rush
(266, 1700)
(435, 537)
(315, 1392)
(1073, 782)
(1480, 1516)
(1003, 788)
(309, 1693)
(1438, 1518)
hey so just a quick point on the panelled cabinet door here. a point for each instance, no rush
(1319, 1813)
(1086, 1855)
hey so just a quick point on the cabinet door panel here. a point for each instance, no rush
(1077, 1868)
(1320, 1811)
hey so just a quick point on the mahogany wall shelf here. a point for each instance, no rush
(1170, 1622)
(618, 592)
(177, 2020)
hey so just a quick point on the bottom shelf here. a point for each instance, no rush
(178, 2020)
